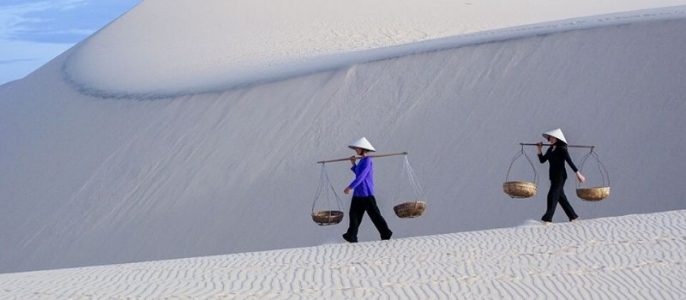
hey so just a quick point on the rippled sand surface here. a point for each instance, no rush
(629, 257)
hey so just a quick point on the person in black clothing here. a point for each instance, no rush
(557, 155)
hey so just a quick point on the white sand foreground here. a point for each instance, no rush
(629, 257)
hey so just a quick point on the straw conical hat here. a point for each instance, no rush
(557, 133)
(362, 143)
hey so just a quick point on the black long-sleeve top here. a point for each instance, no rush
(557, 160)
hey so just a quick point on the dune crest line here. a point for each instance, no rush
(85, 75)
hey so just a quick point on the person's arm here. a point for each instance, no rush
(542, 158)
(568, 159)
(363, 168)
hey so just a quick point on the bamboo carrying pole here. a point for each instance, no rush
(571, 146)
(359, 157)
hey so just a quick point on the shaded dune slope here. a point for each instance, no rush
(90, 180)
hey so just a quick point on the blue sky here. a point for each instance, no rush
(32, 32)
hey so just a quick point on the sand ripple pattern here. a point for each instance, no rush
(630, 257)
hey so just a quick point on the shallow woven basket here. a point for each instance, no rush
(593, 194)
(411, 209)
(327, 217)
(519, 189)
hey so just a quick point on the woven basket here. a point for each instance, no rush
(327, 217)
(593, 194)
(519, 189)
(411, 209)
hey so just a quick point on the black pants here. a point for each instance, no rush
(358, 206)
(555, 195)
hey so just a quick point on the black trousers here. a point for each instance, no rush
(557, 195)
(358, 206)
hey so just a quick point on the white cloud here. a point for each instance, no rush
(73, 4)
(13, 18)
(19, 58)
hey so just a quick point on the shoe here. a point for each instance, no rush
(574, 220)
(387, 237)
(347, 238)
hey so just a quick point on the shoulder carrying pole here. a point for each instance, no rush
(360, 157)
(571, 146)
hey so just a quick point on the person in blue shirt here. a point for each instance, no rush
(363, 193)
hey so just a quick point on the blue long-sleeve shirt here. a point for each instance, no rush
(363, 185)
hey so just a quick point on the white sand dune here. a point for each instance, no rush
(629, 257)
(92, 180)
(161, 50)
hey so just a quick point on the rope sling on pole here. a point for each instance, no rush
(325, 189)
(411, 209)
(599, 192)
(525, 189)
(520, 189)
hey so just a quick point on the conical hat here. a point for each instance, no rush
(362, 143)
(557, 133)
